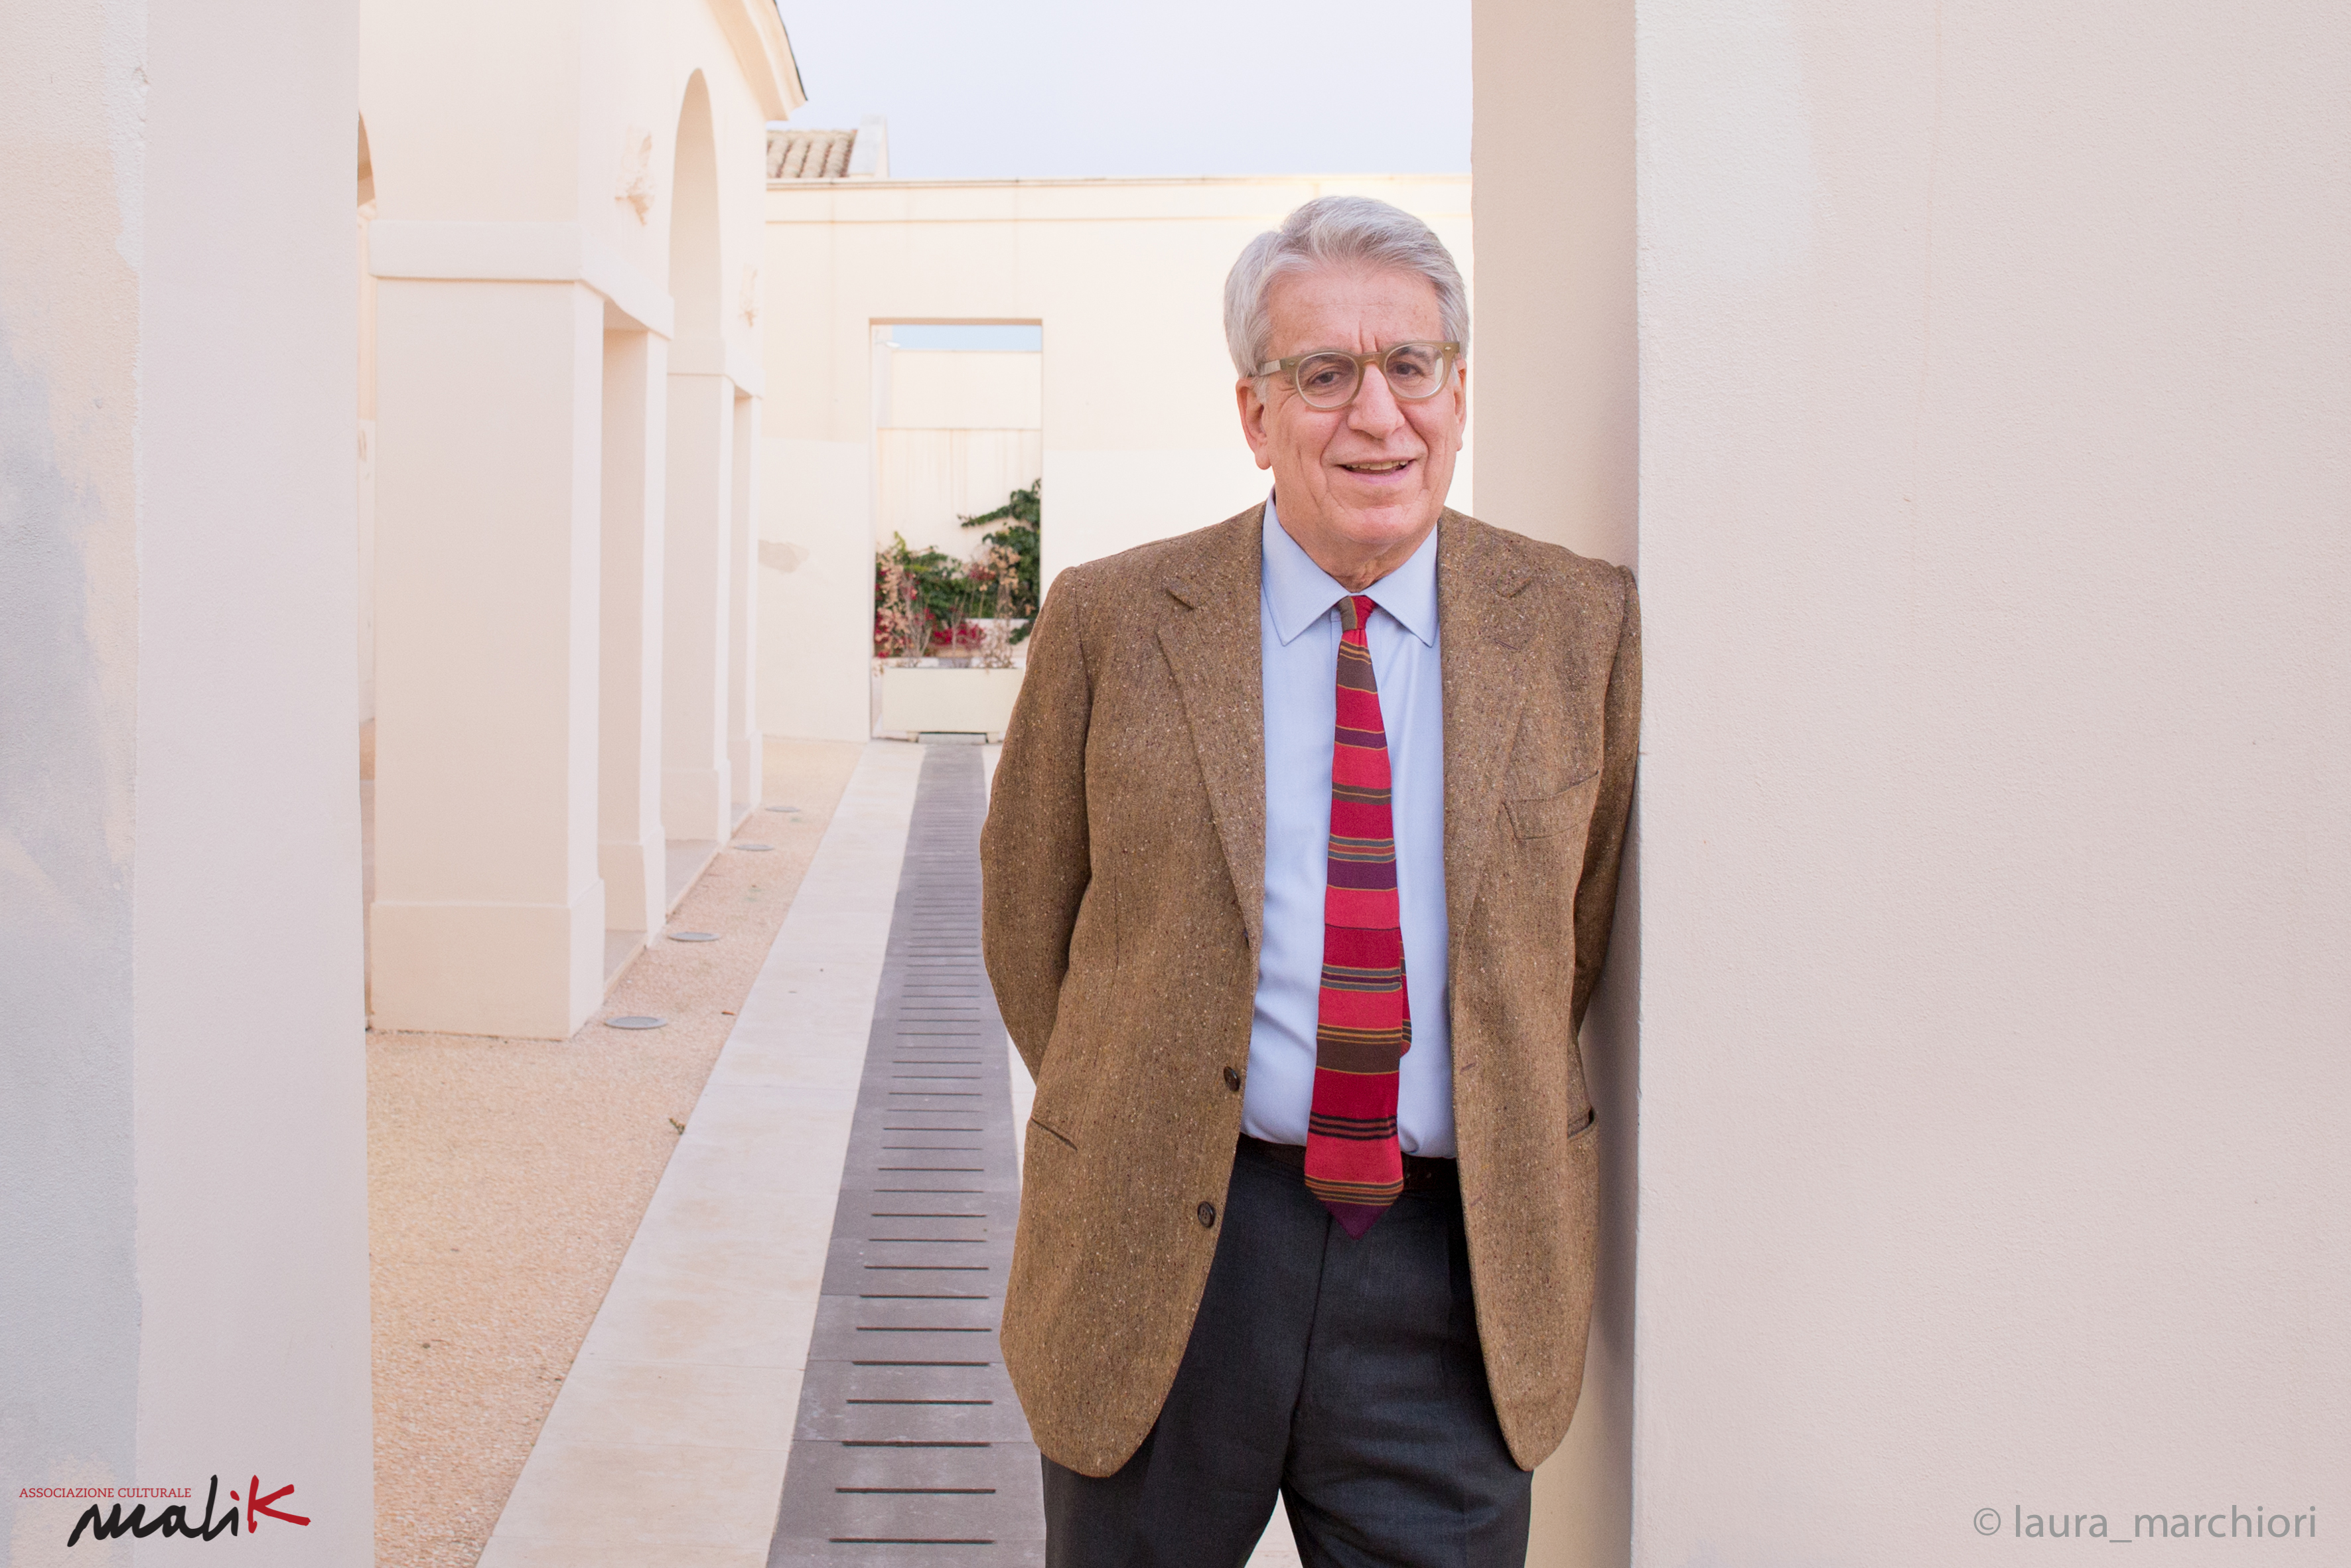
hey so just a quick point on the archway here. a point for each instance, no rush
(697, 790)
(694, 247)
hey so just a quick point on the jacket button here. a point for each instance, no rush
(1232, 1081)
(1207, 1213)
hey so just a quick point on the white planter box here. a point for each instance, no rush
(966, 701)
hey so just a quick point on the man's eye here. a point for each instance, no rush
(1413, 368)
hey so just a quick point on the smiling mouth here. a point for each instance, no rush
(1388, 466)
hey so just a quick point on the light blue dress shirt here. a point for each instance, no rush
(1299, 631)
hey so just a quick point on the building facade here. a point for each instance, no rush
(560, 393)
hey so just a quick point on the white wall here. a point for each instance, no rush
(928, 479)
(957, 431)
(816, 589)
(949, 389)
(181, 1126)
(1118, 272)
(542, 110)
(1994, 883)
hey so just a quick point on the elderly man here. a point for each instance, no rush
(1299, 869)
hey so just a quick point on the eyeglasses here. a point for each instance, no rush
(1328, 379)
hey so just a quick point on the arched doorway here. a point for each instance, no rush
(697, 788)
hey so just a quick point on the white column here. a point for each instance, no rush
(366, 444)
(1994, 886)
(746, 748)
(183, 1102)
(630, 849)
(489, 914)
(696, 788)
(1555, 380)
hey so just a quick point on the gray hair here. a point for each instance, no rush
(1337, 231)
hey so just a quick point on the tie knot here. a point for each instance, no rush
(1355, 611)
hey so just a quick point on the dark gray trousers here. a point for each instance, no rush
(1345, 1376)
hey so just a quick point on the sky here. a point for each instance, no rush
(1072, 89)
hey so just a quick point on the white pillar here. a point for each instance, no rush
(696, 788)
(183, 1278)
(489, 914)
(366, 444)
(1993, 879)
(630, 854)
(1555, 387)
(746, 748)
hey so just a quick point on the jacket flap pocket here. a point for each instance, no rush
(1055, 1133)
(1560, 813)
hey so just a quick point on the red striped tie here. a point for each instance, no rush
(1363, 1020)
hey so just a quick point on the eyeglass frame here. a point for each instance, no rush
(1450, 351)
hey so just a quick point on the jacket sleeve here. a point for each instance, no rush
(1035, 856)
(1604, 856)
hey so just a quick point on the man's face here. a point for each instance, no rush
(1360, 486)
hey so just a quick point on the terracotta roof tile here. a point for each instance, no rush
(809, 154)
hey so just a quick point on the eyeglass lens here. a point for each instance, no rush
(1413, 371)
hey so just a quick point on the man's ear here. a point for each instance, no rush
(1251, 402)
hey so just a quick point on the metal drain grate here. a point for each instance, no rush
(910, 1450)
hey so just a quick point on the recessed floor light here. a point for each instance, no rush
(638, 1020)
(758, 848)
(694, 936)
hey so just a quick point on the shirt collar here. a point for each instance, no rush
(1300, 593)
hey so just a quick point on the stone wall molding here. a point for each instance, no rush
(452, 251)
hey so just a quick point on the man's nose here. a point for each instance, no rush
(1374, 411)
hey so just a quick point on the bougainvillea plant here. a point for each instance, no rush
(928, 604)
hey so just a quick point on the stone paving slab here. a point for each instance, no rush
(901, 1328)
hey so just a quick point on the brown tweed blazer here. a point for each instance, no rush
(1125, 866)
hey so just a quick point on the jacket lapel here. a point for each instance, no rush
(1483, 621)
(1209, 633)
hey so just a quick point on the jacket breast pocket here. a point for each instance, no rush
(1567, 814)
